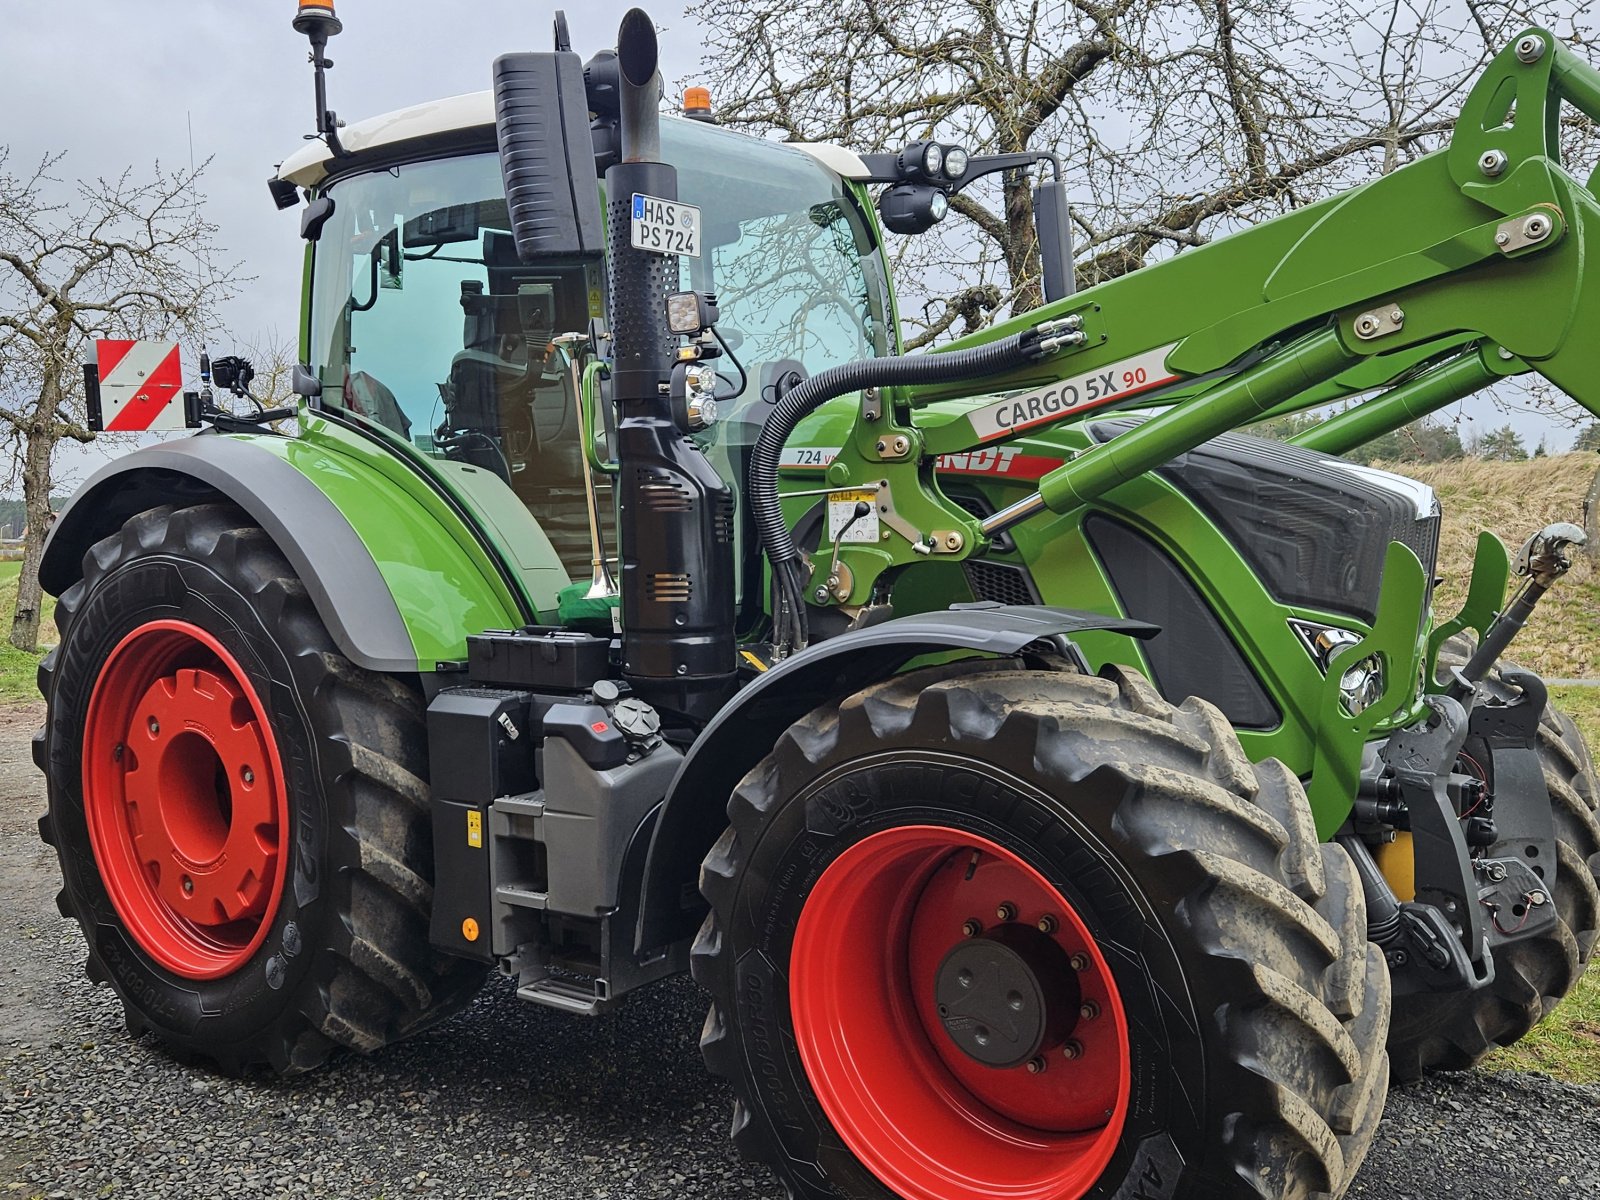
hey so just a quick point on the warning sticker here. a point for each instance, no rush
(474, 829)
(843, 509)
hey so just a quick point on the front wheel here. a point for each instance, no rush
(984, 931)
(240, 811)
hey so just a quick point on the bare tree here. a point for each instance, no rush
(1177, 119)
(124, 257)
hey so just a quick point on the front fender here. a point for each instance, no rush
(397, 586)
(748, 726)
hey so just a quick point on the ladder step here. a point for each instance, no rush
(565, 994)
(521, 897)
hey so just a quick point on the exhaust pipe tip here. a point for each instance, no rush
(638, 54)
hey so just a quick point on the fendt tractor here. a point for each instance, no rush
(1058, 792)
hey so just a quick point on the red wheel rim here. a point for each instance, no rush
(924, 1116)
(184, 796)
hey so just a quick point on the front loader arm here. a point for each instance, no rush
(1461, 267)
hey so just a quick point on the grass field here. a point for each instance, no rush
(1513, 500)
(16, 666)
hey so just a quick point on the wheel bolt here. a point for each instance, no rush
(248, 775)
(1047, 924)
(116, 752)
(1007, 911)
(155, 726)
(1079, 962)
(971, 927)
(1072, 1051)
(188, 886)
(1036, 1066)
(1089, 1011)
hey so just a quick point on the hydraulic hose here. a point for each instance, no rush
(827, 385)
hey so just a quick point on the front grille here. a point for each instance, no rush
(1001, 582)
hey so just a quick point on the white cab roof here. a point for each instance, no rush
(308, 166)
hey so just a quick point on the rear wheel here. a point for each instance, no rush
(1453, 1031)
(984, 931)
(239, 810)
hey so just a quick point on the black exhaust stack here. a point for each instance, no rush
(677, 514)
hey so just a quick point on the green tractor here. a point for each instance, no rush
(1058, 793)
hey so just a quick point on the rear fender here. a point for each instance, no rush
(748, 726)
(397, 590)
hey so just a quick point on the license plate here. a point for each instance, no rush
(665, 226)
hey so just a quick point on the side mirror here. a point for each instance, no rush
(547, 157)
(305, 382)
(1053, 223)
(315, 216)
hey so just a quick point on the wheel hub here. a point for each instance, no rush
(203, 824)
(185, 799)
(1005, 996)
(958, 1021)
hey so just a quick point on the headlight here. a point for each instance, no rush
(912, 207)
(700, 404)
(684, 315)
(1361, 685)
(955, 162)
(932, 159)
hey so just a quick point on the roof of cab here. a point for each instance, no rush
(309, 165)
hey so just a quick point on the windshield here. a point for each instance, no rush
(417, 266)
(424, 321)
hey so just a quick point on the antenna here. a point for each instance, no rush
(317, 20)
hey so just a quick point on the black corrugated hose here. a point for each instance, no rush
(788, 569)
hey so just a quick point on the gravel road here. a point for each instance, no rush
(509, 1100)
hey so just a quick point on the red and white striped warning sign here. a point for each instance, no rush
(141, 386)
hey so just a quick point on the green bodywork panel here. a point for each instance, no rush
(449, 581)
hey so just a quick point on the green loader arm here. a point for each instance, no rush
(1430, 282)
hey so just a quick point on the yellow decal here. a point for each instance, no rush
(475, 829)
(753, 660)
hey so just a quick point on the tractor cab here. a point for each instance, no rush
(425, 326)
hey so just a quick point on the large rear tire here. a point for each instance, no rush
(1451, 1032)
(240, 811)
(981, 930)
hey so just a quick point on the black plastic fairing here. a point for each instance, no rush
(1193, 655)
(1314, 528)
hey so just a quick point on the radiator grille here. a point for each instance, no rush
(1001, 582)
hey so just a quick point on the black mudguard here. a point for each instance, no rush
(344, 582)
(745, 730)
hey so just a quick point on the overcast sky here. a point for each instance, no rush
(120, 82)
